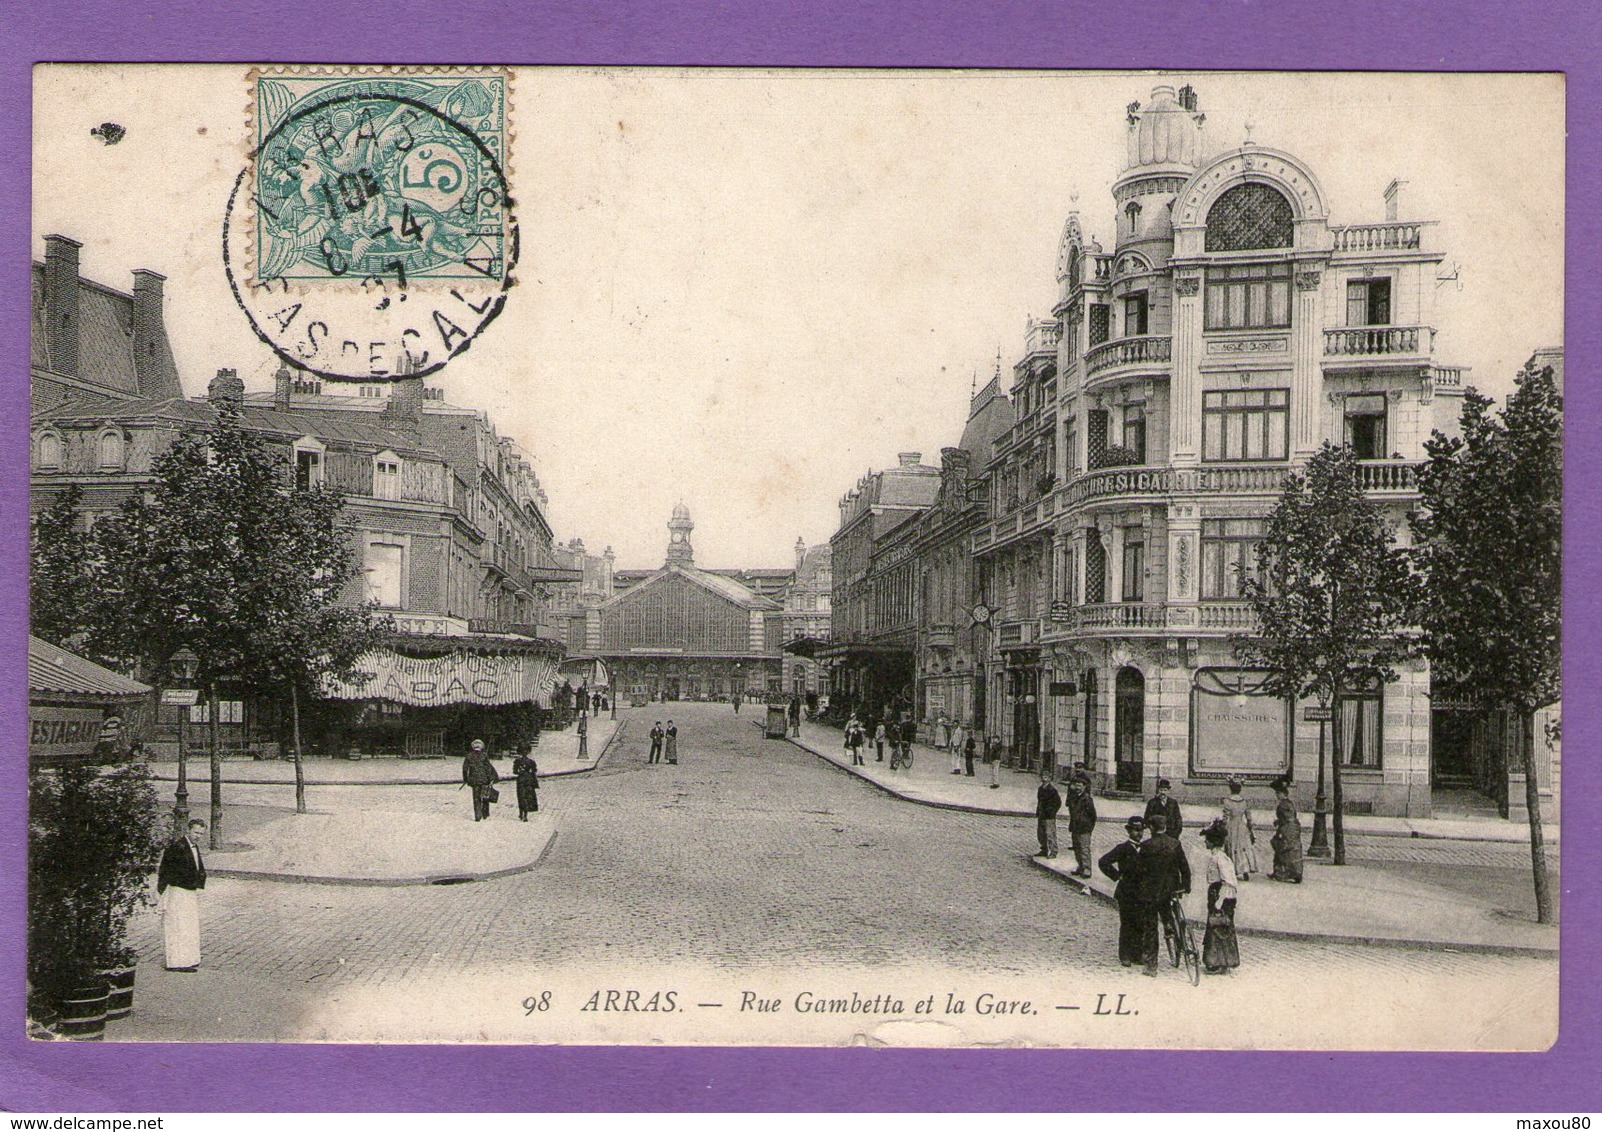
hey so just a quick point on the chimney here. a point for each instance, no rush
(226, 386)
(157, 373)
(61, 303)
(406, 400)
(800, 552)
(909, 459)
(283, 387)
(1393, 199)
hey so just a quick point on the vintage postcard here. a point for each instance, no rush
(795, 558)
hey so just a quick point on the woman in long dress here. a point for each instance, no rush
(1287, 839)
(1220, 950)
(527, 773)
(672, 749)
(1240, 838)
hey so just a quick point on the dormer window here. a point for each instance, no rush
(308, 463)
(48, 452)
(386, 476)
(111, 449)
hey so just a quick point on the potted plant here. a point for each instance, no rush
(94, 833)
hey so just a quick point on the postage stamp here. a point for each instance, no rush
(366, 189)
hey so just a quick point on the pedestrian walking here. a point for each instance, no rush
(1165, 805)
(179, 881)
(480, 774)
(1242, 842)
(1121, 864)
(878, 741)
(1220, 948)
(737, 703)
(1081, 823)
(1164, 873)
(527, 773)
(657, 735)
(795, 716)
(853, 740)
(1287, 839)
(948, 740)
(959, 747)
(670, 743)
(993, 760)
(970, 747)
(1047, 802)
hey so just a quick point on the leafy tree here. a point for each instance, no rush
(59, 579)
(1490, 549)
(1331, 593)
(224, 557)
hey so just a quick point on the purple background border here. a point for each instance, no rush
(1196, 36)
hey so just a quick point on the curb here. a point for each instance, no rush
(389, 882)
(973, 808)
(621, 724)
(1513, 950)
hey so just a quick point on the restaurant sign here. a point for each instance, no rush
(456, 678)
(62, 732)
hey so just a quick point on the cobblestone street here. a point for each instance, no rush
(748, 857)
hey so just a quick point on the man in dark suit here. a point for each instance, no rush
(1121, 864)
(656, 742)
(179, 880)
(1167, 807)
(1047, 803)
(1081, 824)
(1164, 874)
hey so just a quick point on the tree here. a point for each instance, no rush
(222, 555)
(59, 579)
(1490, 550)
(1332, 596)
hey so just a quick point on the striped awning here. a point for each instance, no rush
(55, 671)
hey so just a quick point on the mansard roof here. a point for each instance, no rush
(726, 588)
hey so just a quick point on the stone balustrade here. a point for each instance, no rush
(1147, 349)
(1391, 237)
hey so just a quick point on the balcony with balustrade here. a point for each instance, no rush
(1371, 239)
(1373, 347)
(1142, 355)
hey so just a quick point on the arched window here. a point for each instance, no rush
(49, 452)
(1132, 211)
(1073, 268)
(112, 450)
(1248, 217)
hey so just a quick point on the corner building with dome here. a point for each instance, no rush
(1232, 327)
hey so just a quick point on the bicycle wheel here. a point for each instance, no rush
(1192, 958)
(1171, 931)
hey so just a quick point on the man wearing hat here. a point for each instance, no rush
(1121, 864)
(479, 773)
(1165, 805)
(1081, 822)
(1164, 874)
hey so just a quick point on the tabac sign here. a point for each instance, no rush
(456, 678)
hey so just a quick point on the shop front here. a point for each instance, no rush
(430, 697)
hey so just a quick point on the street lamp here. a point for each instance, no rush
(184, 665)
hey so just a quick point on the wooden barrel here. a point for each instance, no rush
(120, 985)
(83, 1013)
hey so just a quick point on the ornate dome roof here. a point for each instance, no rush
(681, 511)
(1165, 132)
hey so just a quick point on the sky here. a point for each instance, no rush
(744, 289)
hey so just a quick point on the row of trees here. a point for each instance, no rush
(221, 559)
(1479, 593)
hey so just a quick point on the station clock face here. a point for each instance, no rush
(981, 614)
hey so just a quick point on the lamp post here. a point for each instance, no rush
(184, 663)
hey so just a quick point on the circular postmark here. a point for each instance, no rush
(371, 235)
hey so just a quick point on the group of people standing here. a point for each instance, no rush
(1081, 818)
(664, 742)
(479, 773)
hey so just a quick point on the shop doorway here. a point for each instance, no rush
(1129, 707)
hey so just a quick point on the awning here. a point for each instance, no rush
(807, 647)
(70, 699)
(587, 671)
(460, 677)
(54, 671)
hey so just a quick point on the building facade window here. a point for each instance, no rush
(1068, 579)
(385, 572)
(1249, 217)
(1246, 424)
(1096, 429)
(308, 468)
(1368, 302)
(1365, 425)
(1100, 323)
(1070, 444)
(1095, 568)
(1229, 554)
(1362, 714)
(1134, 437)
(48, 452)
(1135, 310)
(1253, 296)
(111, 450)
(1134, 588)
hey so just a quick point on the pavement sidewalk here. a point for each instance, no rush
(557, 755)
(1354, 903)
(425, 838)
(931, 782)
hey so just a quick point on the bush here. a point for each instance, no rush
(94, 836)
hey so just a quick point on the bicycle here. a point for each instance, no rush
(1181, 942)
